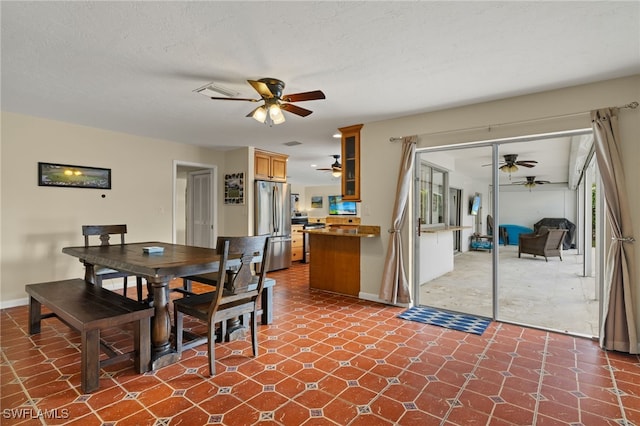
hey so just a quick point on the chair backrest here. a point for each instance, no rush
(104, 232)
(250, 269)
(489, 224)
(554, 238)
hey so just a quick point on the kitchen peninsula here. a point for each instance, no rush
(335, 264)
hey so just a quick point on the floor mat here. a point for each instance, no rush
(452, 320)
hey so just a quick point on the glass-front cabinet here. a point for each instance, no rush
(351, 162)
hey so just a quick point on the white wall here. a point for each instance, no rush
(526, 115)
(238, 218)
(519, 206)
(322, 191)
(37, 222)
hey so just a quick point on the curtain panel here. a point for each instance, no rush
(618, 329)
(395, 287)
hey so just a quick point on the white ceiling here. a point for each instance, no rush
(132, 66)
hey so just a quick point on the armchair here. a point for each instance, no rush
(547, 243)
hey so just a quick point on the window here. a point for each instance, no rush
(433, 188)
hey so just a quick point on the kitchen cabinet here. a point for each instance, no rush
(270, 166)
(336, 257)
(351, 162)
(297, 242)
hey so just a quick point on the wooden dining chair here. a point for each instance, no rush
(104, 232)
(238, 295)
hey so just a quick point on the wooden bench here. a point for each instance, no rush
(88, 309)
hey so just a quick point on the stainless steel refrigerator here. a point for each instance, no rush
(273, 216)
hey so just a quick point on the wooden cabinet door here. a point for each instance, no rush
(262, 165)
(270, 166)
(351, 162)
(279, 168)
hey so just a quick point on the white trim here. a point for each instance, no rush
(374, 298)
(14, 302)
(115, 284)
(214, 195)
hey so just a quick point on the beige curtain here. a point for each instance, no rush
(395, 288)
(619, 328)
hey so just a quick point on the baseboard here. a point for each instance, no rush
(374, 298)
(115, 285)
(5, 304)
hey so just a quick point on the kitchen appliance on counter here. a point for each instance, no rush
(273, 216)
(299, 219)
(306, 252)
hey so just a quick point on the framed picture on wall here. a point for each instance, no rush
(234, 188)
(316, 202)
(67, 175)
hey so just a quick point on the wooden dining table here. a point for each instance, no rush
(158, 269)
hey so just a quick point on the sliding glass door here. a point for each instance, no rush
(452, 275)
(524, 188)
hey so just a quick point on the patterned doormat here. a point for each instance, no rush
(452, 320)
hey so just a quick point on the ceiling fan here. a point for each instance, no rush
(511, 163)
(270, 91)
(531, 182)
(336, 167)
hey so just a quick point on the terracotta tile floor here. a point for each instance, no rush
(328, 360)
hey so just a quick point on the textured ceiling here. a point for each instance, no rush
(132, 66)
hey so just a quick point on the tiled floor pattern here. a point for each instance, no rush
(328, 360)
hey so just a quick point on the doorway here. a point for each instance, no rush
(495, 281)
(194, 204)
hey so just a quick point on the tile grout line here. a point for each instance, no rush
(541, 378)
(17, 377)
(616, 389)
(471, 374)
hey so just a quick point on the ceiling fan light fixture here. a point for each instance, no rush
(336, 173)
(260, 114)
(509, 168)
(275, 114)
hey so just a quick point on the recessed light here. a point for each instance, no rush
(337, 135)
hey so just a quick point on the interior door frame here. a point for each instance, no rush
(214, 195)
(193, 200)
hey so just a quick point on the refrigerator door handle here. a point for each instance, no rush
(276, 216)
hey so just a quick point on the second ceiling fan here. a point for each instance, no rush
(336, 167)
(270, 91)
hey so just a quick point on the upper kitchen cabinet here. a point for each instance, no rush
(270, 166)
(351, 162)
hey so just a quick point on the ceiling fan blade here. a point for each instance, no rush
(235, 99)
(261, 88)
(526, 164)
(526, 161)
(295, 109)
(325, 169)
(305, 96)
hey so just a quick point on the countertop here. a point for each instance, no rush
(360, 231)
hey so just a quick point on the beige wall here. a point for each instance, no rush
(518, 116)
(38, 221)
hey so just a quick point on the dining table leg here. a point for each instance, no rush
(162, 352)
